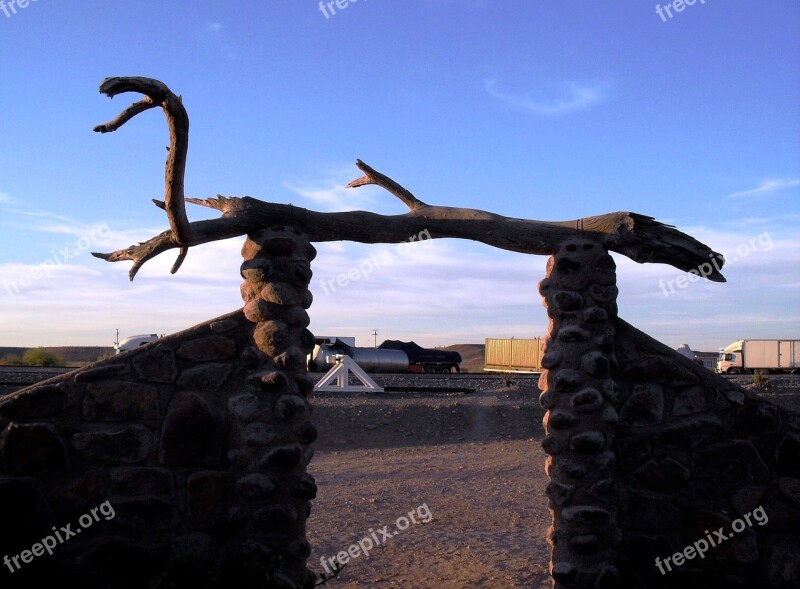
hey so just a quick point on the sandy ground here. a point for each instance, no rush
(471, 464)
(475, 465)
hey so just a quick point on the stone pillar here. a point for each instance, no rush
(271, 435)
(580, 397)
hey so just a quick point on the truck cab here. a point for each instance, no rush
(730, 359)
(134, 341)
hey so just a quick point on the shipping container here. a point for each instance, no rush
(513, 355)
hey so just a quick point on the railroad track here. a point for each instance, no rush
(22, 376)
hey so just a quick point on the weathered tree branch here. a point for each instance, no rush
(374, 177)
(158, 94)
(639, 237)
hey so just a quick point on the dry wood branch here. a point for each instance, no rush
(639, 237)
(374, 177)
(158, 94)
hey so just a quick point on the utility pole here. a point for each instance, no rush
(375, 336)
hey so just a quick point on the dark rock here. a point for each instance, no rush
(787, 456)
(586, 400)
(120, 401)
(558, 493)
(572, 334)
(689, 400)
(206, 497)
(33, 448)
(595, 364)
(292, 359)
(746, 499)
(736, 461)
(79, 495)
(272, 337)
(208, 349)
(258, 434)
(244, 407)
(558, 420)
(652, 513)
(145, 514)
(205, 377)
(192, 434)
(587, 442)
(105, 371)
(586, 515)
(290, 406)
(287, 456)
(270, 382)
(257, 271)
(126, 445)
(279, 515)
(566, 380)
(585, 544)
(280, 293)
(757, 418)
(133, 481)
(306, 433)
(305, 489)
(157, 365)
(35, 403)
(645, 406)
(255, 487)
(662, 474)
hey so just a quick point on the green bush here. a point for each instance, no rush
(41, 357)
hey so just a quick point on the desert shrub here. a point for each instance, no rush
(10, 361)
(41, 357)
(761, 379)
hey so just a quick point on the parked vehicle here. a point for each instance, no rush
(134, 341)
(390, 356)
(760, 355)
(513, 355)
(423, 359)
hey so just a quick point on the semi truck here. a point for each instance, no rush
(746, 356)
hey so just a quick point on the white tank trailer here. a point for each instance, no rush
(390, 356)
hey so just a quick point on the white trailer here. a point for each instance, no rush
(760, 355)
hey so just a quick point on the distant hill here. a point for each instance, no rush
(472, 356)
(72, 355)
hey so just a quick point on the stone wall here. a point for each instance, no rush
(191, 451)
(650, 453)
(183, 463)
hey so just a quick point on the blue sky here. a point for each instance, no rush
(541, 110)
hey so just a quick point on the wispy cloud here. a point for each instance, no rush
(562, 97)
(327, 191)
(214, 27)
(768, 186)
(4, 198)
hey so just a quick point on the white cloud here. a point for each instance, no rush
(564, 97)
(768, 186)
(5, 198)
(327, 190)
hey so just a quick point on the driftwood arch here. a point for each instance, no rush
(580, 390)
